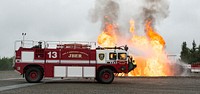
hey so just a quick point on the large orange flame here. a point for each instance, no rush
(154, 62)
(154, 36)
(108, 37)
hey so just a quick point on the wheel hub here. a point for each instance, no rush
(33, 75)
(106, 75)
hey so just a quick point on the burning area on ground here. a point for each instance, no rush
(145, 44)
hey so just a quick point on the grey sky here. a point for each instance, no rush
(70, 20)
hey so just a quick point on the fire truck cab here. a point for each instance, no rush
(36, 60)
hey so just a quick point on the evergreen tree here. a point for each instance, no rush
(190, 55)
(194, 53)
(185, 53)
(193, 50)
(198, 54)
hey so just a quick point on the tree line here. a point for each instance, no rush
(6, 63)
(190, 55)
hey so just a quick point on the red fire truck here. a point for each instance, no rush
(36, 60)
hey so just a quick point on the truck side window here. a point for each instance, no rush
(112, 56)
(122, 56)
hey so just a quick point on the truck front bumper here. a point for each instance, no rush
(131, 66)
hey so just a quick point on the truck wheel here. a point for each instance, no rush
(33, 75)
(106, 76)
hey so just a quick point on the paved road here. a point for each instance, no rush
(9, 74)
(132, 85)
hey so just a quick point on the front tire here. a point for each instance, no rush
(106, 76)
(33, 75)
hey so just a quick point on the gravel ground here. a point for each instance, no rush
(121, 85)
(138, 85)
(9, 74)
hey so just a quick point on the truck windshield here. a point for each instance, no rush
(122, 56)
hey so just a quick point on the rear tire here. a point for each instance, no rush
(105, 76)
(33, 75)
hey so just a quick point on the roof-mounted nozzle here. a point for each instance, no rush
(126, 48)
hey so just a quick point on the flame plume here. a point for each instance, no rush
(149, 48)
(108, 37)
(155, 62)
